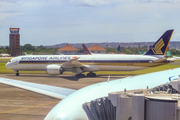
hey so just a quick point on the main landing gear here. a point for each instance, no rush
(91, 74)
(17, 72)
(80, 75)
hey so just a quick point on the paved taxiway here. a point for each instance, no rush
(19, 104)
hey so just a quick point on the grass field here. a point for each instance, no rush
(139, 72)
(4, 59)
(177, 61)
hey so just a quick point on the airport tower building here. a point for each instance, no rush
(14, 42)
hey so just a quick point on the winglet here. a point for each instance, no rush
(86, 51)
(160, 47)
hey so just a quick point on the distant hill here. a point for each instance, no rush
(173, 44)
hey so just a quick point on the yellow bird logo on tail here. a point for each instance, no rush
(157, 48)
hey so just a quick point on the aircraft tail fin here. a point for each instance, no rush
(86, 51)
(160, 47)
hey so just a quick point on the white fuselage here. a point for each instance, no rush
(96, 62)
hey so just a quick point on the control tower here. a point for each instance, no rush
(14, 42)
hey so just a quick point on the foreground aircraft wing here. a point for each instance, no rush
(52, 91)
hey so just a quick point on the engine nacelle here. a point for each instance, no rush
(54, 70)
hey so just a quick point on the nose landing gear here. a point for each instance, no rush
(17, 72)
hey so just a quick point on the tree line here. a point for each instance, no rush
(29, 49)
(41, 50)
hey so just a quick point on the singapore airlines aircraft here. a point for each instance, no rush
(70, 108)
(57, 64)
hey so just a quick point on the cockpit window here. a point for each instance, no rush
(9, 61)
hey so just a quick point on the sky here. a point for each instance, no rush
(50, 22)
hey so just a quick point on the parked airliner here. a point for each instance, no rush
(57, 64)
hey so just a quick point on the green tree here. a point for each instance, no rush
(3, 50)
(41, 47)
(175, 52)
(28, 47)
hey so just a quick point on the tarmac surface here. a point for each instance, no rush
(19, 104)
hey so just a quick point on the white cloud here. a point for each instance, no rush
(88, 2)
(114, 2)
(56, 21)
(31, 3)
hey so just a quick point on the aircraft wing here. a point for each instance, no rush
(52, 91)
(72, 63)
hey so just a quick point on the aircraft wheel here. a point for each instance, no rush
(17, 74)
(77, 75)
(91, 74)
(80, 75)
(94, 74)
(88, 75)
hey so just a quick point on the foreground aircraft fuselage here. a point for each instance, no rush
(70, 108)
(57, 64)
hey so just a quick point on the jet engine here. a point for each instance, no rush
(54, 69)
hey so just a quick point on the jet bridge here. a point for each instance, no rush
(100, 109)
(158, 103)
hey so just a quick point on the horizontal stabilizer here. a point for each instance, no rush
(160, 47)
(52, 91)
(174, 58)
(160, 60)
